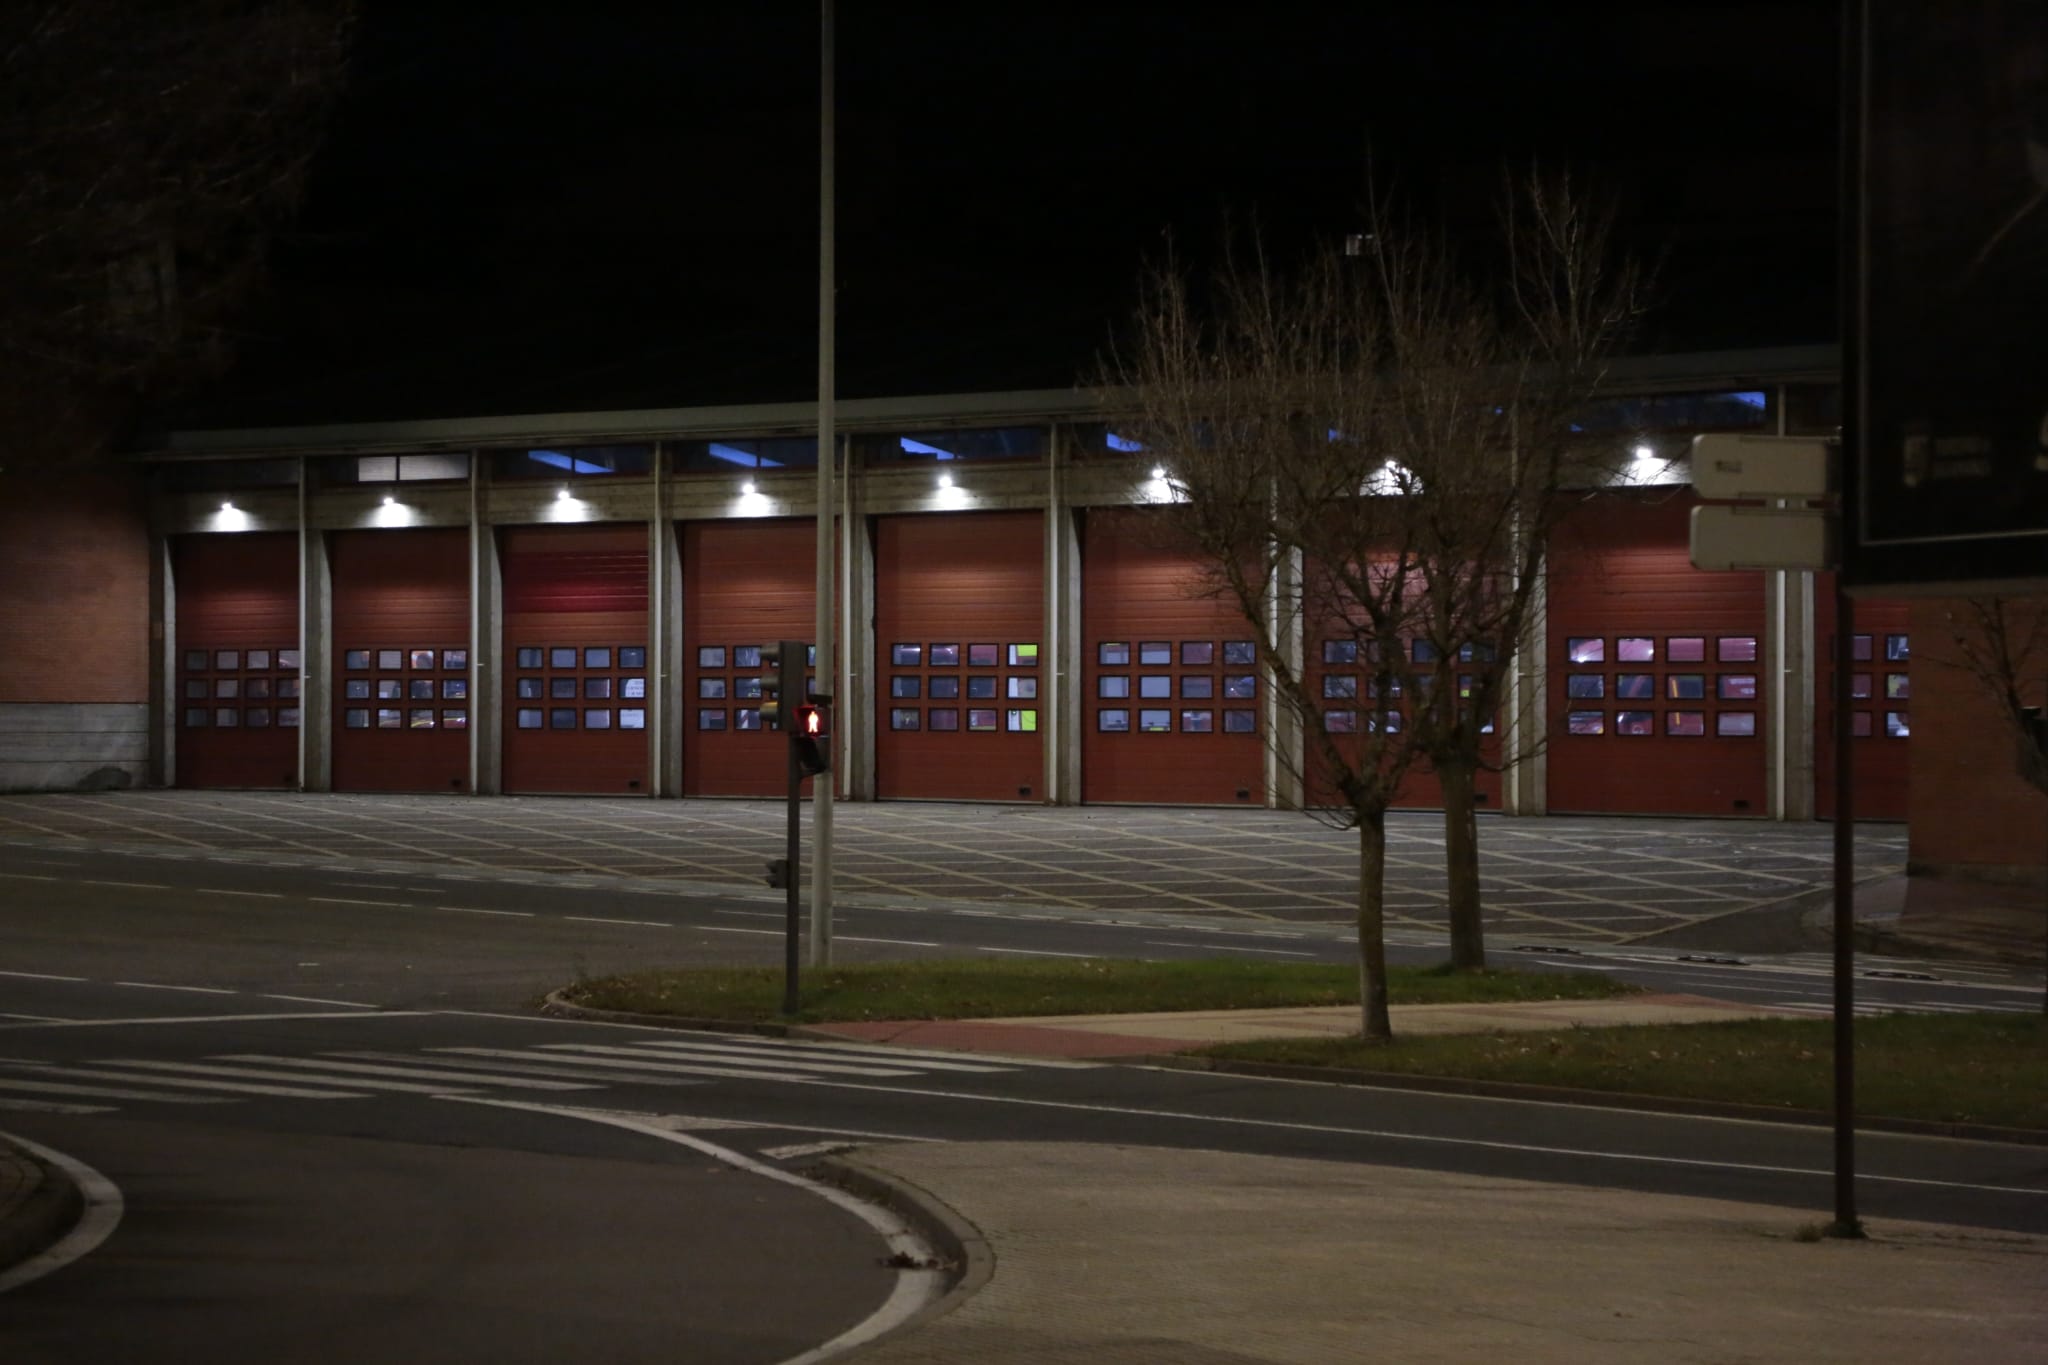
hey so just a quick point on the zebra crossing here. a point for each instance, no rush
(467, 1070)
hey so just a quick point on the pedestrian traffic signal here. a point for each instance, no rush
(813, 738)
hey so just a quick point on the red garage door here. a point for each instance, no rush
(959, 613)
(1882, 687)
(238, 675)
(401, 660)
(745, 583)
(1169, 676)
(575, 705)
(1344, 676)
(1656, 669)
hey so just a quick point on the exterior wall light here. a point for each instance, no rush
(1158, 471)
(748, 488)
(227, 507)
(945, 480)
(561, 494)
(1645, 453)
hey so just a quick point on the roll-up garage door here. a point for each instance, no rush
(959, 615)
(238, 674)
(1881, 691)
(1657, 696)
(1170, 706)
(401, 660)
(1345, 676)
(575, 658)
(745, 583)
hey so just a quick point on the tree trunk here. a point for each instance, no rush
(1372, 923)
(1461, 867)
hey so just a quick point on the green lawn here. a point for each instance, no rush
(977, 989)
(1989, 1068)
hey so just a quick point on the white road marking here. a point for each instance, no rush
(472, 910)
(914, 1291)
(318, 1000)
(31, 877)
(133, 886)
(218, 1018)
(344, 900)
(105, 1092)
(616, 1066)
(1430, 1139)
(407, 1072)
(225, 891)
(900, 942)
(1034, 952)
(775, 1051)
(1266, 952)
(638, 923)
(53, 1107)
(798, 1064)
(145, 1073)
(528, 1068)
(160, 986)
(728, 929)
(259, 1073)
(797, 1149)
(96, 1223)
(42, 976)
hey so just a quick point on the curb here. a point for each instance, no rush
(51, 1207)
(1607, 1099)
(969, 1261)
(557, 1007)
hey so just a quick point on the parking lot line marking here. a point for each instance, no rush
(474, 910)
(344, 900)
(160, 986)
(599, 919)
(225, 891)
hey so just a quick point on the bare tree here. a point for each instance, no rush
(1370, 450)
(147, 154)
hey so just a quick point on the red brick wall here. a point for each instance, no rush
(74, 588)
(1970, 811)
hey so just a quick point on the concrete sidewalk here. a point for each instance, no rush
(1136, 1035)
(1136, 1256)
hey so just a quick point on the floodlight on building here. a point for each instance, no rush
(1645, 453)
(562, 494)
(1158, 471)
(945, 480)
(747, 489)
(389, 500)
(227, 506)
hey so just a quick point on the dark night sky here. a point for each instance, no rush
(550, 206)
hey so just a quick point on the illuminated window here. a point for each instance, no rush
(1197, 653)
(454, 659)
(943, 688)
(1023, 689)
(531, 689)
(562, 689)
(709, 689)
(1685, 722)
(746, 689)
(981, 718)
(632, 718)
(1197, 686)
(1635, 722)
(1635, 649)
(1686, 649)
(747, 718)
(1240, 653)
(1340, 651)
(1898, 687)
(633, 689)
(1735, 649)
(1897, 725)
(1238, 721)
(1340, 722)
(905, 685)
(562, 657)
(905, 718)
(1340, 685)
(1023, 656)
(422, 658)
(529, 656)
(1859, 686)
(632, 656)
(1586, 722)
(597, 718)
(1897, 649)
(1155, 684)
(531, 717)
(906, 656)
(1155, 722)
(227, 658)
(1585, 686)
(390, 658)
(1735, 724)
(360, 658)
(710, 718)
(708, 656)
(1685, 686)
(419, 719)
(1021, 721)
(944, 718)
(390, 718)
(390, 689)
(1241, 687)
(288, 717)
(746, 656)
(981, 689)
(597, 689)
(1113, 721)
(258, 659)
(945, 656)
(451, 720)
(1735, 686)
(1113, 654)
(1197, 722)
(982, 656)
(1585, 649)
(1635, 686)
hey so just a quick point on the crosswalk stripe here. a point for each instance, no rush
(669, 1068)
(257, 1073)
(150, 1075)
(530, 1067)
(412, 1072)
(14, 1105)
(788, 1063)
(890, 1052)
(104, 1092)
(823, 1052)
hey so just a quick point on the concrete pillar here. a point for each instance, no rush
(1287, 749)
(316, 662)
(1060, 703)
(1525, 719)
(163, 665)
(665, 709)
(486, 643)
(856, 707)
(1789, 646)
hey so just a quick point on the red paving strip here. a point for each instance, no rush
(1018, 1040)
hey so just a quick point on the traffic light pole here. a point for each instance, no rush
(793, 880)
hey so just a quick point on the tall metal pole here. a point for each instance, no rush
(821, 786)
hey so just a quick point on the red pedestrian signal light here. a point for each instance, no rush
(810, 722)
(812, 738)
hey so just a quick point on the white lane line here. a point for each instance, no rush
(263, 1073)
(34, 1018)
(445, 1076)
(104, 1092)
(772, 1052)
(31, 877)
(345, 900)
(528, 1068)
(96, 1223)
(901, 942)
(727, 929)
(318, 1000)
(133, 886)
(751, 914)
(1205, 947)
(52, 1107)
(914, 1291)
(160, 986)
(42, 976)
(1427, 1139)
(472, 910)
(226, 891)
(147, 1073)
(1034, 952)
(220, 1018)
(617, 1066)
(638, 923)
(797, 1064)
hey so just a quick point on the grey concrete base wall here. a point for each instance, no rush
(66, 746)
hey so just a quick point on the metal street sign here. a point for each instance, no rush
(1734, 468)
(1761, 538)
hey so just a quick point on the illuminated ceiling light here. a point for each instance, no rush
(748, 488)
(227, 507)
(1645, 453)
(389, 500)
(945, 480)
(1158, 471)
(561, 495)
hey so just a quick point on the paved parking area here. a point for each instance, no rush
(1561, 878)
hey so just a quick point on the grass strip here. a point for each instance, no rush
(1983, 1068)
(977, 989)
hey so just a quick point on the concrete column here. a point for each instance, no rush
(1789, 645)
(316, 663)
(1287, 751)
(856, 709)
(665, 710)
(1060, 701)
(1525, 719)
(486, 643)
(163, 665)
